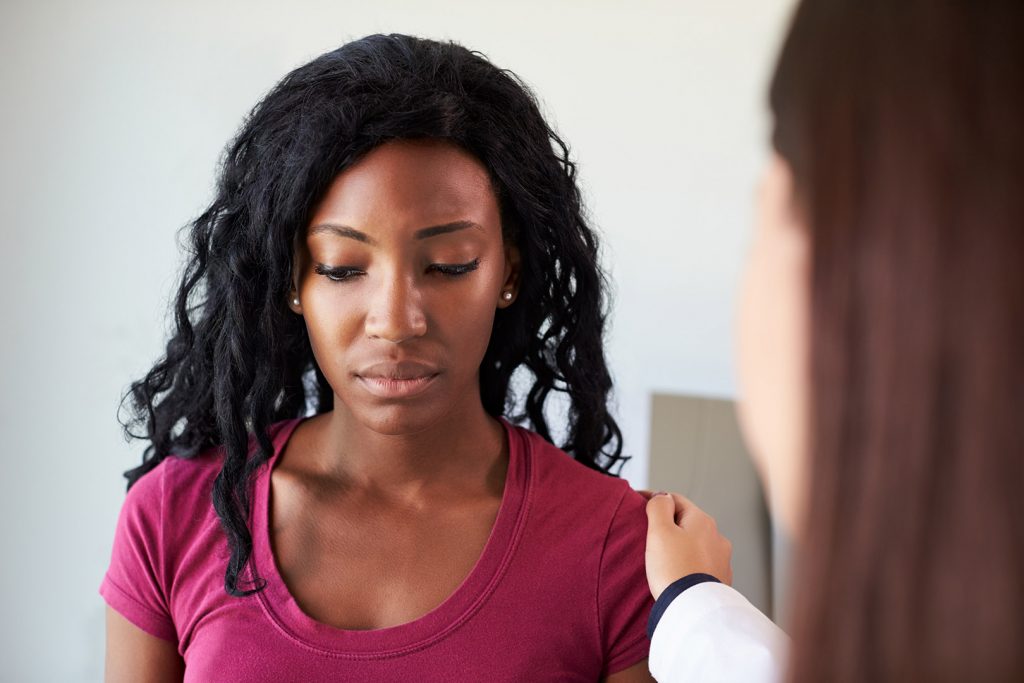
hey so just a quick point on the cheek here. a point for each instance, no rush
(331, 316)
(463, 312)
(772, 361)
(754, 373)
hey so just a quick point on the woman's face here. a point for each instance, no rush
(774, 346)
(401, 271)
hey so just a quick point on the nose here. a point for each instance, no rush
(396, 312)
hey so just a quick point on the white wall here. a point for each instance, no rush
(113, 116)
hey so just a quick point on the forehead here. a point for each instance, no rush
(407, 185)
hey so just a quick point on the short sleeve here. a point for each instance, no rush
(624, 600)
(134, 583)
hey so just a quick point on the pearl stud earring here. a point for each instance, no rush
(507, 296)
(295, 301)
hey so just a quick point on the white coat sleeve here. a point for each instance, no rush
(710, 632)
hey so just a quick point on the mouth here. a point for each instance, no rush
(397, 380)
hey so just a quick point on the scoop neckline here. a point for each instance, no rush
(284, 612)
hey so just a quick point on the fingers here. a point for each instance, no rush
(681, 501)
(688, 514)
(682, 508)
(682, 539)
(661, 512)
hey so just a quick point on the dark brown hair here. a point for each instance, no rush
(903, 121)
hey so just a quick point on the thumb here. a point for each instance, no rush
(661, 511)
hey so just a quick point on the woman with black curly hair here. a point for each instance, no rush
(395, 260)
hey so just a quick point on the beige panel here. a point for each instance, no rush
(697, 449)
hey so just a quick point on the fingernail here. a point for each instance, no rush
(660, 493)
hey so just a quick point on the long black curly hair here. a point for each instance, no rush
(239, 360)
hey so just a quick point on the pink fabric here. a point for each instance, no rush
(558, 593)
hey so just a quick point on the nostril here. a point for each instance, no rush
(397, 326)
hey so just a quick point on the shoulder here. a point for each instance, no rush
(176, 478)
(165, 510)
(184, 481)
(175, 498)
(599, 522)
(171, 502)
(597, 508)
(573, 483)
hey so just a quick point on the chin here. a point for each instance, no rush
(398, 419)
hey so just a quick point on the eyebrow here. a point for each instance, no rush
(422, 234)
(341, 231)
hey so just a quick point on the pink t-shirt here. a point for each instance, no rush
(558, 594)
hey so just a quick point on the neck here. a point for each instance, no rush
(460, 451)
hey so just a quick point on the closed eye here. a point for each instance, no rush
(454, 269)
(338, 273)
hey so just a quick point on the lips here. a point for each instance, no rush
(397, 379)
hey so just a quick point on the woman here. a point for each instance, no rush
(397, 236)
(881, 334)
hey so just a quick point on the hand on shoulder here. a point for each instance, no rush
(682, 539)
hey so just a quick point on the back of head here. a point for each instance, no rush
(902, 122)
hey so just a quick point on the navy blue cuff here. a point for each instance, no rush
(671, 593)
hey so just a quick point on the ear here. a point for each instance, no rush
(510, 284)
(294, 301)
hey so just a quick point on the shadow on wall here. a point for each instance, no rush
(697, 449)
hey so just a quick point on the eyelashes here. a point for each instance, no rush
(337, 273)
(454, 269)
(345, 273)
